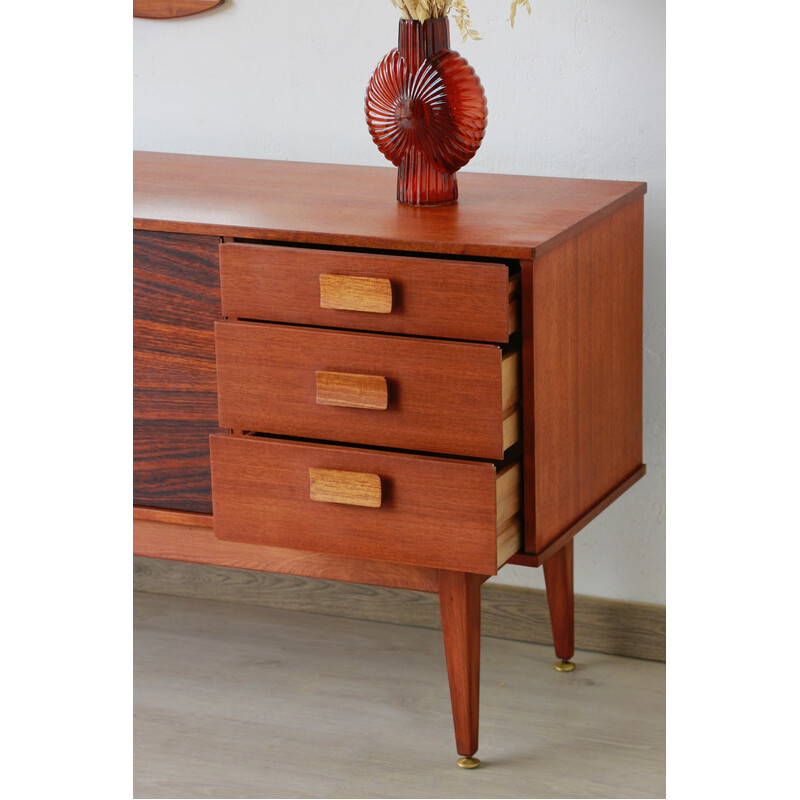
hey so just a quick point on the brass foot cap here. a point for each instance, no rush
(564, 666)
(468, 763)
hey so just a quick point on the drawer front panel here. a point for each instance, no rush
(432, 512)
(396, 294)
(443, 397)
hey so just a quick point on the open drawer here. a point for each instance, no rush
(369, 291)
(429, 395)
(399, 507)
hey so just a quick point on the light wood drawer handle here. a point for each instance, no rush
(352, 391)
(352, 293)
(349, 488)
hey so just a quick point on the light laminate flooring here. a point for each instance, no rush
(239, 701)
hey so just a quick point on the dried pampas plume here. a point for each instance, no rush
(436, 9)
(514, 3)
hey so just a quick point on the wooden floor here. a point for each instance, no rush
(240, 701)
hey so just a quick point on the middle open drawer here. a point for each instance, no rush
(457, 398)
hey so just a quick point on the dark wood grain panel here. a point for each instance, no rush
(430, 297)
(171, 466)
(497, 216)
(444, 397)
(176, 278)
(434, 512)
(582, 373)
(175, 304)
(173, 376)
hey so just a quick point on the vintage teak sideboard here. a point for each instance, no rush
(330, 384)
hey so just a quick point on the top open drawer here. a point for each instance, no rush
(364, 291)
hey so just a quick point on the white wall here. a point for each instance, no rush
(575, 90)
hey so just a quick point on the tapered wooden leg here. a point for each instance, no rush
(558, 580)
(460, 602)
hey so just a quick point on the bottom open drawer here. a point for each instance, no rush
(410, 509)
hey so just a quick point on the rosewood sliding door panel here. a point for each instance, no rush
(175, 303)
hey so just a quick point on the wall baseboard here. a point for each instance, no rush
(616, 627)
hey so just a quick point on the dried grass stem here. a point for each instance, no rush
(422, 10)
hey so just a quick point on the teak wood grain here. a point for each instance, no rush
(460, 604)
(528, 559)
(581, 373)
(197, 544)
(615, 627)
(497, 216)
(190, 518)
(444, 397)
(355, 293)
(168, 9)
(555, 262)
(435, 512)
(442, 298)
(346, 488)
(508, 501)
(175, 303)
(558, 577)
(513, 304)
(349, 390)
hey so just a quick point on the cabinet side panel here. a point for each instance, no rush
(586, 372)
(176, 301)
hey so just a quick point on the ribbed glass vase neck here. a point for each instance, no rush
(417, 41)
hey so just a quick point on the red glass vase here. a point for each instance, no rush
(426, 112)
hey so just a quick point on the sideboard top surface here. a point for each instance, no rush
(497, 216)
